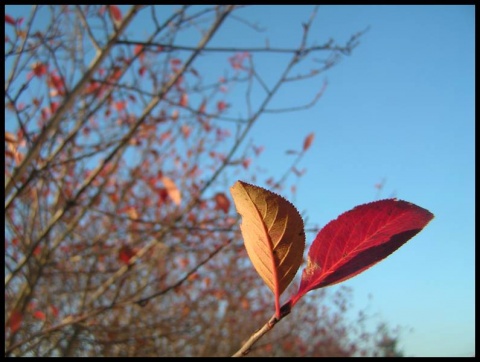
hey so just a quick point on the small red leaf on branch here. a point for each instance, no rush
(125, 254)
(115, 12)
(15, 320)
(184, 100)
(358, 239)
(39, 69)
(222, 202)
(39, 315)
(221, 106)
(308, 141)
(9, 20)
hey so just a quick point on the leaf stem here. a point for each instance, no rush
(247, 346)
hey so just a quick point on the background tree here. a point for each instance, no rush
(120, 238)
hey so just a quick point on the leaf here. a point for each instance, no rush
(10, 137)
(222, 202)
(172, 190)
(183, 100)
(273, 235)
(221, 106)
(39, 69)
(15, 320)
(39, 315)
(308, 141)
(115, 12)
(125, 254)
(9, 20)
(358, 239)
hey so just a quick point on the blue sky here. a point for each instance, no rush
(400, 108)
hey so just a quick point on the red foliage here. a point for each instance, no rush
(358, 239)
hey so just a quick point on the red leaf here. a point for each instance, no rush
(40, 315)
(39, 69)
(185, 131)
(184, 100)
(202, 107)
(358, 239)
(115, 12)
(222, 202)
(120, 106)
(221, 105)
(138, 50)
(9, 20)
(258, 150)
(54, 310)
(15, 321)
(308, 141)
(246, 162)
(125, 254)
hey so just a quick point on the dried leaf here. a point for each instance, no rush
(273, 234)
(172, 190)
(358, 239)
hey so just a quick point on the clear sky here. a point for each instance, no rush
(400, 108)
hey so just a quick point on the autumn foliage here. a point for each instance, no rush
(274, 237)
(121, 144)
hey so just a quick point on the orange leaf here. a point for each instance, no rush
(273, 235)
(308, 141)
(172, 190)
(10, 137)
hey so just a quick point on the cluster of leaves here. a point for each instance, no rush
(120, 239)
(274, 237)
